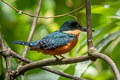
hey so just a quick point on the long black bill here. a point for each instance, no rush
(85, 29)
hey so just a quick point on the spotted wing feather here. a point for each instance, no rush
(55, 39)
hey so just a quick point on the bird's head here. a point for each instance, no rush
(72, 25)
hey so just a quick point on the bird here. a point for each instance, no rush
(58, 42)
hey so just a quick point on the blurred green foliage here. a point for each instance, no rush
(105, 22)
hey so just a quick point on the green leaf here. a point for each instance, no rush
(38, 74)
(108, 39)
(28, 4)
(81, 67)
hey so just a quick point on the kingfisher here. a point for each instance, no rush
(58, 42)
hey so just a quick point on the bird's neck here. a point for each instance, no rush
(74, 32)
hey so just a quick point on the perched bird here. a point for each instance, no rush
(58, 42)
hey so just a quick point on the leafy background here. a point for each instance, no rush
(105, 22)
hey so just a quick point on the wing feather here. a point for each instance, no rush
(55, 39)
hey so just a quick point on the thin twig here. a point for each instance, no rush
(15, 55)
(35, 20)
(47, 17)
(61, 73)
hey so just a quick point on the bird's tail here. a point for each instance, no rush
(22, 43)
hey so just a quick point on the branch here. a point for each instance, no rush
(12, 53)
(111, 63)
(7, 58)
(93, 52)
(8, 68)
(96, 54)
(89, 28)
(15, 55)
(47, 17)
(50, 62)
(61, 73)
(68, 61)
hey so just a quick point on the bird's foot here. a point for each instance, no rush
(57, 59)
(62, 57)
